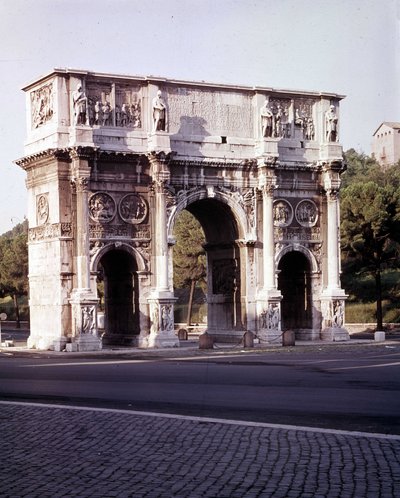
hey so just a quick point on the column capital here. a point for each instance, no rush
(79, 152)
(80, 183)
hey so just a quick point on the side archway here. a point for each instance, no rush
(295, 285)
(117, 269)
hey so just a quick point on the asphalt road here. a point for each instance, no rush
(353, 388)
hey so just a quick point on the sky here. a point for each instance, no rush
(348, 47)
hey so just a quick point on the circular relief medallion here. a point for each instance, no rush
(133, 209)
(42, 209)
(306, 213)
(283, 213)
(101, 207)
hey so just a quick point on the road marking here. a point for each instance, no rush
(397, 363)
(85, 363)
(262, 425)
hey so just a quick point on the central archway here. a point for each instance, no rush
(294, 282)
(121, 298)
(225, 319)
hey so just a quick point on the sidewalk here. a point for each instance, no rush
(54, 451)
(190, 348)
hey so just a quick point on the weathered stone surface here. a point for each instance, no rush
(112, 160)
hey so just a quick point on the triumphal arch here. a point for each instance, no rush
(111, 162)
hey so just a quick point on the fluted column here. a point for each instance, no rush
(333, 239)
(268, 302)
(333, 297)
(161, 300)
(268, 237)
(161, 175)
(81, 183)
(84, 333)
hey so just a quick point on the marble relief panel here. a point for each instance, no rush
(42, 105)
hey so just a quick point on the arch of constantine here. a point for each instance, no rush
(112, 160)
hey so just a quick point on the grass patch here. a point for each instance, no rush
(7, 306)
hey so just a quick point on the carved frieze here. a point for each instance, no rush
(102, 207)
(297, 233)
(100, 231)
(42, 105)
(50, 231)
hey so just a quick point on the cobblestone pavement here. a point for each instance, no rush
(54, 451)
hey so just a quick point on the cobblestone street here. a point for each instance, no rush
(54, 451)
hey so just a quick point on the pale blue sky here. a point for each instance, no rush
(349, 47)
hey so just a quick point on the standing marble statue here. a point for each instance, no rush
(331, 122)
(267, 118)
(79, 100)
(159, 113)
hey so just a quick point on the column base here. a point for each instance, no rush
(89, 343)
(335, 334)
(163, 340)
(270, 336)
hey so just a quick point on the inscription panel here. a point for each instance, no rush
(204, 112)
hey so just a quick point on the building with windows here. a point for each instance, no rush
(386, 143)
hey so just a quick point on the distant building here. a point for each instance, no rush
(386, 143)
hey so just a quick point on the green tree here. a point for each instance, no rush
(370, 222)
(189, 256)
(14, 264)
(358, 167)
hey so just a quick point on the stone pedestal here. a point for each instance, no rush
(331, 151)
(269, 317)
(159, 141)
(81, 136)
(332, 307)
(379, 336)
(267, 147)
(84, 321)
(162, 333)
